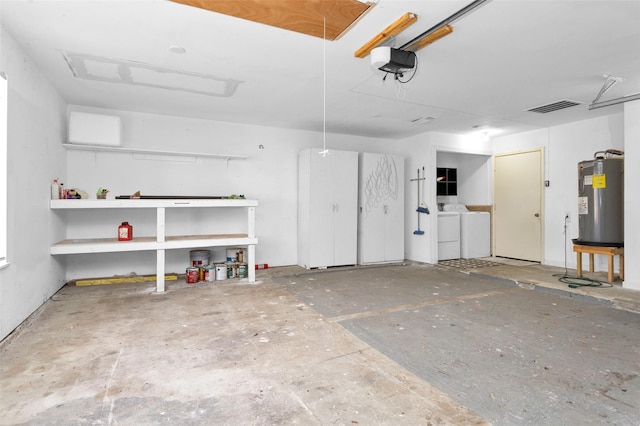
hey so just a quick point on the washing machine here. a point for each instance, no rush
(475, 232)
(448, 235)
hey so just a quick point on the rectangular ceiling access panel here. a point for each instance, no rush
(306, 17)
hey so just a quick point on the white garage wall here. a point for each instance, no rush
(631, 189)
(36, 125)
(269, 174)
(416, 151)
(423, 151)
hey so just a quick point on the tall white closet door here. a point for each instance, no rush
(327, 208)
(394, 222)
(381, 209)
(345, 175)
(322, 211)
(371, 234)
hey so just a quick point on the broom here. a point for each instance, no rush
(420, 209)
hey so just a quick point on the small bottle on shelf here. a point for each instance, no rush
(125, 232)
(55, 190)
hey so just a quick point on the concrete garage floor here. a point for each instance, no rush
(401, 344)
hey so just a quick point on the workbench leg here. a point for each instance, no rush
(160, 271)
(251, 263)
(579, 264)
(160, 224)
(610, 268)
(591, 262)
(622, 266)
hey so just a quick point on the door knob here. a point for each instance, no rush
(537, 215)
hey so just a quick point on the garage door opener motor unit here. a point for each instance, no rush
(393, 60)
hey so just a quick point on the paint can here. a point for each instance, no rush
(221, 272)
(199, 257)
(192, 275)
(232, 255)
(242, 270)
(232, 270)
(208, 273)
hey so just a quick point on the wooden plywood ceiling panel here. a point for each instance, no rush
(302, 16)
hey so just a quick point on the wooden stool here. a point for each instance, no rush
(591, 250)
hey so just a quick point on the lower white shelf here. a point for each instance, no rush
(106, 245)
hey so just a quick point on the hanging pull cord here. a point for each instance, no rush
(324, 151)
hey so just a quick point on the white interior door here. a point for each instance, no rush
(517, 206)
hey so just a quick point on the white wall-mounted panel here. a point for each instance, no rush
(94, 129)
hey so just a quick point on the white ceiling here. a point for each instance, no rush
(504, 58)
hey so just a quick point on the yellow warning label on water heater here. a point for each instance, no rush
(599, 181)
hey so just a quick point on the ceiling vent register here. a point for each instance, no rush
(554, 106)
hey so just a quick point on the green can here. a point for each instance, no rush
(242, 270)
(232, 270)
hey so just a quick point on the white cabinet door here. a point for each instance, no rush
(322, 211)
(381, 209)
(327, 211)
(394, 221)
(345, 174)
(448, 235)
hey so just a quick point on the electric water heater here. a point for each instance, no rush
(601, 200)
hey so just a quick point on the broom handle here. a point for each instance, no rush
(418, 194)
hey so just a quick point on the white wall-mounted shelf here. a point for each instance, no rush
(98, 148)
(147, 203)
(160, 242)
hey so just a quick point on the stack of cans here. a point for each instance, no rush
(201, 270)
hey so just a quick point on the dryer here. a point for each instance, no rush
(475, 232)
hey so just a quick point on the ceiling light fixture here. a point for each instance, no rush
(483, 132)
(423, 120)
(394, 29)
(176, 49)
